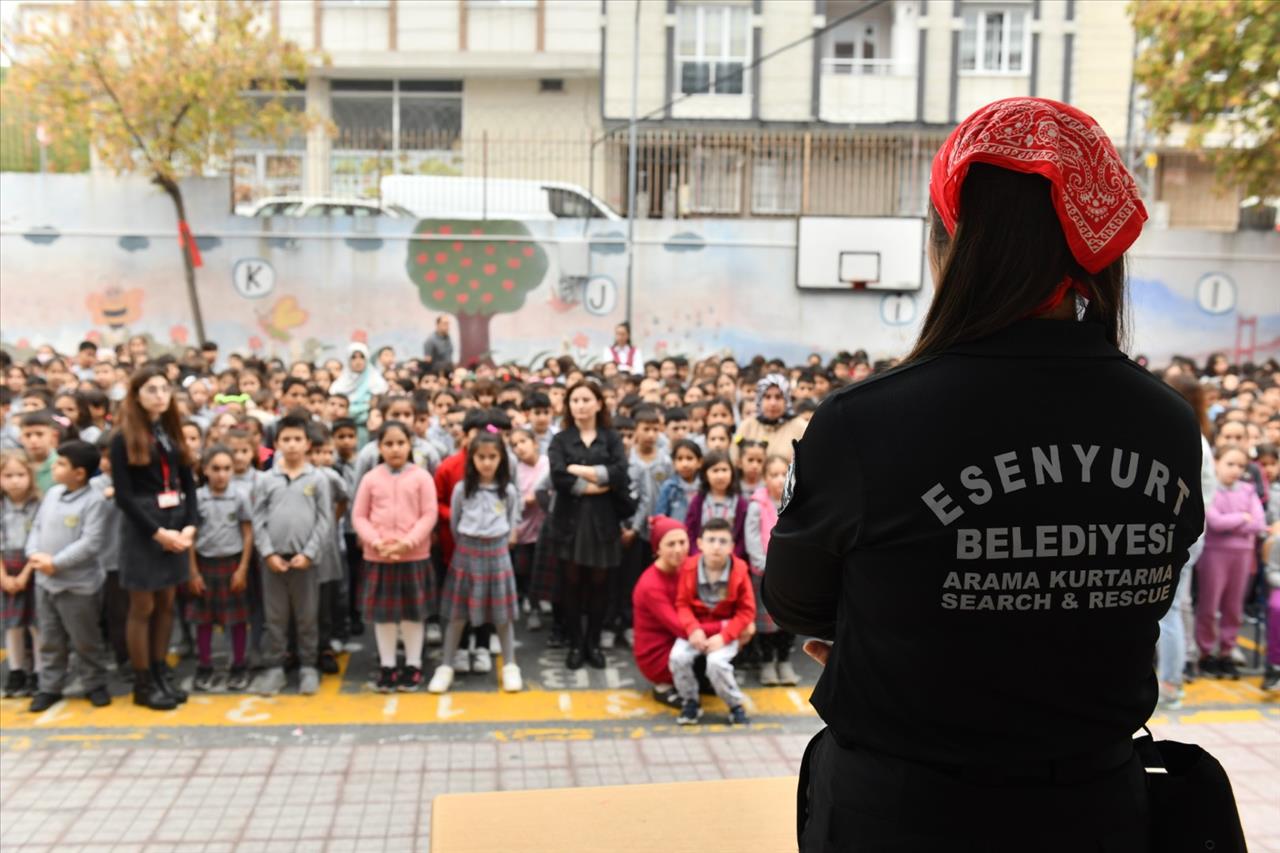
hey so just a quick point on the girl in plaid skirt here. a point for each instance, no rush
(20, 501)
(484, 517)
(220, 570)
(394, 515)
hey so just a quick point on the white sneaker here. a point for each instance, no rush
(545, 607)
(269, 682)
(495, 647)
(526, 607)
(629, 637)
(441, 680)
(461, 661)
(511, 680)
(1237, 655)
(434, 636)
(768, 673)
(607, 639)
(534, 621)
(482, 662)
(308, 681)
(787, 674)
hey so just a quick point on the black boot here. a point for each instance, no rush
(163, 677)
(594, 656)
(575, 657)
(150, 695)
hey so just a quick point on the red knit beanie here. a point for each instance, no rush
(659, 526)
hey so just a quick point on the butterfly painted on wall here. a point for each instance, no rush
(283, 316)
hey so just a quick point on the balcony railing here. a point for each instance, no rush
(868, 67)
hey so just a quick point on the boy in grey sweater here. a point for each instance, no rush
(292, 524)
(65, 548)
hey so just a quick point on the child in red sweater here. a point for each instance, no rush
(713, 586)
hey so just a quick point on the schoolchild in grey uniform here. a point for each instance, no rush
(245, 477)
(21, 500)
(220, 569)
(484, 513)
(347, 621)
(329, 569)
(425, 454)
(64, 547)
(115, 599)
(292, 524)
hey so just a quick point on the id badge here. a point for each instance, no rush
(167, 500)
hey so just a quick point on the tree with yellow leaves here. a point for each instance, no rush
(1213, 67)
(163, 89)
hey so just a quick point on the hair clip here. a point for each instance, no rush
(491, 428)
(231, 398)
(61, 421)
(737, 439)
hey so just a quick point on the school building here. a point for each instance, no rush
(750, 108)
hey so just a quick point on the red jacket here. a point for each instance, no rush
(735, 611)
(449, 473)
(653, 605)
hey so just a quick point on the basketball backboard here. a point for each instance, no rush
(860, 252)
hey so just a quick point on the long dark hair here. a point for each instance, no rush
(1006, 257)
(135, 425)
(602, 416)
(1193, 392)
(501, 477)
(712, 459)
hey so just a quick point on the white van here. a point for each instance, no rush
(443, 197)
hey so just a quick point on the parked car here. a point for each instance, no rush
(309, 207)
(446, 197)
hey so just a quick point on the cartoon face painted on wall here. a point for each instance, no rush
(115, 308)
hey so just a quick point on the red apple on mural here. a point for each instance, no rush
(360, 336)
(255, 343)
(23, 343)
(178, 334)
(93, 336)
(580, 341)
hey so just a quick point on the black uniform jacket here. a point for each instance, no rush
(574, 511)
(990, 537)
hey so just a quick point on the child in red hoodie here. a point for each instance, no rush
(714, 586)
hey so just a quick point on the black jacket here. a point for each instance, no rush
(137, 486)
(990, 596)
(571, 510)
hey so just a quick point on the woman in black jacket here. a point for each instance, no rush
(589, 472)
(156, 491)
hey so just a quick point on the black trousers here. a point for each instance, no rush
(857, 801)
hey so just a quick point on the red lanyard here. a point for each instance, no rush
(164, 465)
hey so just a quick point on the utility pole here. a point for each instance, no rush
(631, 160)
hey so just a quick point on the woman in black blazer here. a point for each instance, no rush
(589, 471)
(156, 491)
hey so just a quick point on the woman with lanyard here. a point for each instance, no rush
(774, 423)
(990, 533)
(359, 382)
(589, 474)
(156, 492)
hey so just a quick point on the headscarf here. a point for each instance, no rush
(773, 380)
(358, 388)
(1094, 195)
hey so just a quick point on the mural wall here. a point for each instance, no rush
(88, 256)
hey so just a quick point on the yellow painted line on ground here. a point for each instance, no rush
(333, 708)
(1251, 715)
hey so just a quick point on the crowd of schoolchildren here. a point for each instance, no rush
(293, 507)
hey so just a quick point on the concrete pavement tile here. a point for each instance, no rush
(1237, 759)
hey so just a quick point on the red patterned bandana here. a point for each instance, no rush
(1095, 196)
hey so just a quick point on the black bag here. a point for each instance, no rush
(1190, 801)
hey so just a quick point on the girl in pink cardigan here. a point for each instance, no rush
(1232, 524)
(394, 514)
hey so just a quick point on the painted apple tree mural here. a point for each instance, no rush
(471, 278)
